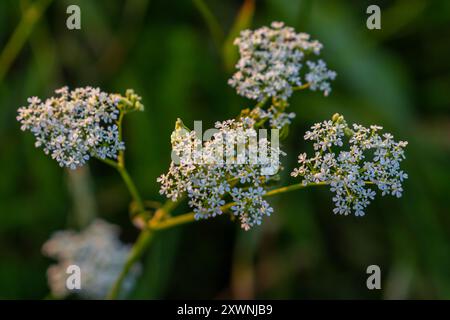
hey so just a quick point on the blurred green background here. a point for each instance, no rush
(178, 58)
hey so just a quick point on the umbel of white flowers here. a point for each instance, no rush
(371, 159)
(99, 254)
(75, 125)
(210, 179)
(272, 62)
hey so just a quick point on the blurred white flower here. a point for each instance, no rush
(271, 59)
(97, 251)
(318, 76)
(371, 159)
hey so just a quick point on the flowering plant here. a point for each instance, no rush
(226, 172)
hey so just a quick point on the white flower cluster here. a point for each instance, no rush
(271, 60)
(372, 159)
(99, 254)
(76, 125)
(217, 169)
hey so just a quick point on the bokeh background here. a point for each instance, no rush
(178, 56)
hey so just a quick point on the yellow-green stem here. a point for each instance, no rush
(132, 189)
(211, 22)
(159, 223)
(262, 102)
(302, 87)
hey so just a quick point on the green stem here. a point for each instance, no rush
(159, 223)
(293, 187)
(119, 125)
(131, 188)
(211, 22)
(175, 221)
(262, 102)
(138, 249)
(109, 162)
